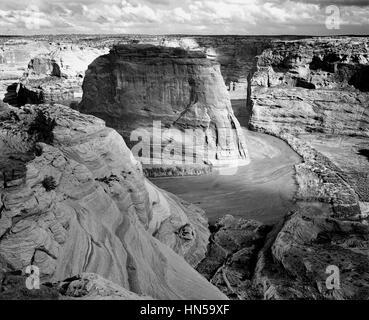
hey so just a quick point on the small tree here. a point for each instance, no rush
(49, 183)
(42, 127)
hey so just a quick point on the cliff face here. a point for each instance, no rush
(135, 85)
(46, 72)
(315, 85)
(306, 111)
(313, 94)
(316, 90)
(236, 55)
(14, 58)
(75, 200)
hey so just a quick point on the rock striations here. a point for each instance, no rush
(313, 85)
(135, 85)
(53, 72)
(313, 94)
(75, 200)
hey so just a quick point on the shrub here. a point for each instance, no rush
(42, 127)
(49, 183)
(180, 52)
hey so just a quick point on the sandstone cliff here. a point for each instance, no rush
(73, 200)
(135, 85)
(15, 55)
(85, 286)
(313, 85)
(46, 72)
(316, 90)
(313, 94)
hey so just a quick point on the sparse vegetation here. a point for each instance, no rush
(49, 183)
(180, 52)
(42, 127)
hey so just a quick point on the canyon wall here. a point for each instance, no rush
(312, 94)
(15, 55)
(313, 85)
(35, 71)
(316, 90)
(135, 85)
(57, 76)
(73, 199)
(236, 55)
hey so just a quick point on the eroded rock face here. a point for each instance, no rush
(315, 90)
(328, 230)
(15, 55)
(301, 94)
(53, 73)
(304, 111)
(312, 94)
(313, 85)
(304, 250)
(79, 203)
(90, 286)
(133, 86)
(86, 286)
(232, 256)
(236, 55)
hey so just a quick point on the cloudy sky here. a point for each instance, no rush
(247, 17)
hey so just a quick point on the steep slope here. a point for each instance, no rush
(316, 90)
(45, 72)
(76, 201)
(135, 85)
(313, 94)
(313, 85)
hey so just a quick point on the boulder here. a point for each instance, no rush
(232, 256)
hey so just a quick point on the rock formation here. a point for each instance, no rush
(57, 76)
(312, 86)
(328, 229)
(74, 200)
(14, 57)
(312, 94)
(316, 90)
(90, 286)
(236, 55)
(135, 85)
(52, 72)
(232, 256)
(86, 286)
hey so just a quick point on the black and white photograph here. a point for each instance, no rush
(187, 150)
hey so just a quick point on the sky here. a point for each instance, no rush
(208, 17)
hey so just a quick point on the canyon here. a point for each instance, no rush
(80, 203)
(295, 203)
(135, 85)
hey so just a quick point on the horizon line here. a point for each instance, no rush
(184, 34)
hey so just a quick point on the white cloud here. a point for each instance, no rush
(177, 16)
